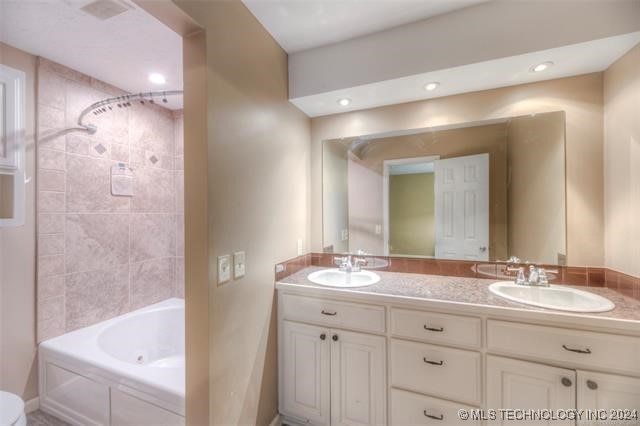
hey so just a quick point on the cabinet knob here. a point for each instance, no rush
(335, 337)
(567, 382)
(592, 385)
(323, 336)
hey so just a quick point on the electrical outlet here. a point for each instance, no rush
(238, 264)
(224, 268)
(378, 229)
(300, 246)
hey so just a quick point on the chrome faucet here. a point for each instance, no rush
(537, 277)
(349, 263)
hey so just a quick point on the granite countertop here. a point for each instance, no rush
(464, 290)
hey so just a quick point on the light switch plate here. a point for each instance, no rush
(238, 264)
(224, 268)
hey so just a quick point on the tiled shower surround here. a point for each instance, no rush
(101, 255)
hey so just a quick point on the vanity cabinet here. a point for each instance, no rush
(527, 385)
(608, 391)
(369, 359)
(331, 376)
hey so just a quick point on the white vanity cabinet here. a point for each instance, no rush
(365, 359)
(331, 376)
(526, 385)
(608, 391)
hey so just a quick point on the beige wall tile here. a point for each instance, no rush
(151, 130)
(50, 265)
(96, 241)
(49, 308)
(50, 223)
(51, 202)
(89, 186)
(95, 296)
(50, 244)
(152, 236)
(51, 180)
(50, 328)
(78, 144)
(51, 159)
(152, 281)
(51, 286)
(154, 190)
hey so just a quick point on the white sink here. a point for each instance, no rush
(337, 278)
(552, 297)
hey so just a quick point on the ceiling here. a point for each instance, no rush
(581, 58)
(304, 24)
(122, 50)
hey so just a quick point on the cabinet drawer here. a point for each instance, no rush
(409, 409)
(436, 328)
(332, 313)
(576, 348)
(436, 370)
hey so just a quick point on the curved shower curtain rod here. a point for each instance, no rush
(123, 101)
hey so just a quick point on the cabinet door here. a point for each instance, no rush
(527, 385)
(304, 373)
(358, 379)
(608, 392)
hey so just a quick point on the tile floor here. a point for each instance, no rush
(40, 418)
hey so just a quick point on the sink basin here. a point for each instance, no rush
(337, 278)
(552, 297)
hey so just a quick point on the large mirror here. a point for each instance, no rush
(483, 191)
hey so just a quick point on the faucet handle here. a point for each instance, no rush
(339, 261)
(543, 280)
(520, 279)
(360, 261)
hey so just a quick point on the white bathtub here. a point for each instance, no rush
(128, 370)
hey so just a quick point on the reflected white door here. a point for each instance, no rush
(462, 207)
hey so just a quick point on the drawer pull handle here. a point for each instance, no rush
(440, 417)
(592, 385)
(439, 330)
(433, 362)
(328, 313)
(579, 351)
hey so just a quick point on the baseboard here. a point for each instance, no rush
(277, 421)
(32, 405)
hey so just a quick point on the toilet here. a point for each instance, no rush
(11, 410)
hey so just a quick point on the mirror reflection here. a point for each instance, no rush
(485, 191)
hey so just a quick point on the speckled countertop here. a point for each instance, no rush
(464, 290)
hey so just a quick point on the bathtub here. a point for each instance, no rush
(128, 370)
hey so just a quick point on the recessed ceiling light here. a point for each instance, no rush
(344, 101)
(431, 86)
(541, 67)
(156, 78)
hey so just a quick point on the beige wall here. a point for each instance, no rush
(412, 214)
(18, 366)
(580, 97)
(365, 209)
(258, 176)
(622, 163)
